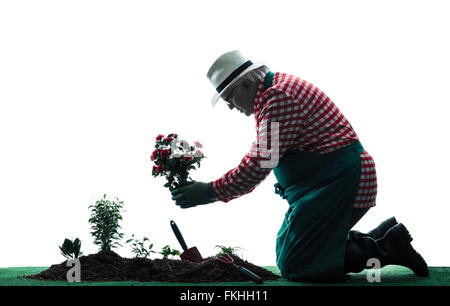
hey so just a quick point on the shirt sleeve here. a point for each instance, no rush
(276, 133)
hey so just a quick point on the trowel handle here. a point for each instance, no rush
(250, 274)
(177, 233)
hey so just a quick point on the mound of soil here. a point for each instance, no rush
(109, 266)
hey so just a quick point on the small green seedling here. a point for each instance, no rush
(71, 249)
(166, 252)
(230, 250)
(105, 217)
(138, 247)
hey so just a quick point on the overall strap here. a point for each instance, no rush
(268, 80)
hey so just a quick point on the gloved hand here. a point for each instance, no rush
(193, 194)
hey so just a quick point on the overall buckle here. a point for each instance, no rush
(280, 190)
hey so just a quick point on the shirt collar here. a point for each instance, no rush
(258, 103)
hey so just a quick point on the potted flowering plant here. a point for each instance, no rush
(174, 158)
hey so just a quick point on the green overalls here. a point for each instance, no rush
(320, 190)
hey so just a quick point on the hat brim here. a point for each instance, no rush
(216, 97)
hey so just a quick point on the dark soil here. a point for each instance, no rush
(109, 266)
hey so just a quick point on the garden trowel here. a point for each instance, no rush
(191, 254)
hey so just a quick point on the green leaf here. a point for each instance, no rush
(68, 246)
(76, 247)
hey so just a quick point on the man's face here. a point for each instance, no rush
(241, 95)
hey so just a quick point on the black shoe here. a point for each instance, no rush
(406, 255)
(393, 248)
(381, 229)
(378, 232)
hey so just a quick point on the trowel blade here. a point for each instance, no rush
(192, 254)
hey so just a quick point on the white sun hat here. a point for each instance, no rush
(227, 69)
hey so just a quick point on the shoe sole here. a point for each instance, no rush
(417, 260)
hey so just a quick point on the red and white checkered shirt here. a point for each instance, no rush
(308, 121)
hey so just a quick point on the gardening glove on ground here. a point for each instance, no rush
(196, 193)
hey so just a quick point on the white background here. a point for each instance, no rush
(86, 86)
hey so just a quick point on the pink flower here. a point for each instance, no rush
(198, 153)
(168, 139)
(152, 157)
(198, 144)
(164, 153)
(159, 137)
